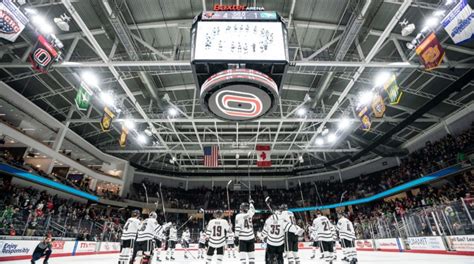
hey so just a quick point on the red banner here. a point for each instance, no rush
(263, 156)
(431, 52)
(43, 55)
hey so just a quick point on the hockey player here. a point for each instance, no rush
(312, 236)
(172, 240)
(159, 238)
(146, 238)
(185, 239)
(334, 237)
(216, 232)
(274, 233)
(291, 239)
(230, 243)
(347, 237)
(324, 235)
(129, 234)
(244, 234)
(202, 244)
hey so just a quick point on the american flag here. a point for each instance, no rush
(211, 156)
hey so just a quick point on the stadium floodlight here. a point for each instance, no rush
(365, 97)
(172, 112)
(300, 159)
(439, 13)
(432, 22)
(449, 2)
(42, 25)
(107, 98)
(237, 156)
(301, 111)
(344, 123)
(382, 78)
(319, 141)
(141, 139)
(129, 124)
(332, 138)
(90, 78)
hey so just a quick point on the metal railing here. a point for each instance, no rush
(447, 219)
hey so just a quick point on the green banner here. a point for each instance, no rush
(83, 97)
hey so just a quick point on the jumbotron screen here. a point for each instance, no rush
(240, 41)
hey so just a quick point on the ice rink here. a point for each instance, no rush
(364, 257)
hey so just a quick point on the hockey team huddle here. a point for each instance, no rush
(141, 241)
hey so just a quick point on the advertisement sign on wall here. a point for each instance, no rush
(85, 246)
(426, 243)
(461, 243)
(365, 244)
(389, 244)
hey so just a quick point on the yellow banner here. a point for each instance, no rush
(123, 136)
(106, 121)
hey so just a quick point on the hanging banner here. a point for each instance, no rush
(43, 55)
(12, 21)
(431, 52)
(364, 115)
(123, 136)
(106, 121)
(378, 106)
(393, 91)
(83, 97)
(263, 156)
(459, 23)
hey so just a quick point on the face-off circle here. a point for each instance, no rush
(239, 94)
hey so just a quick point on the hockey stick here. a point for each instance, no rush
(203, 218)
(302, 198)
(189, 219)
(268, 202)
(228, 199)
(163, 204)
(342, 196)
(316, 187)
(146, 192)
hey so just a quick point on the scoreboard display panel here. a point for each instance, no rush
(240, 40)
(239, 61)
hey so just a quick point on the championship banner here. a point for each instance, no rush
(83, 97)
(43, 55)
(12, 21)
(123, 136)
(459, 23)
(393, 91)
(378, 106)
(106, 121)
(263, 156)
(431, 52)
(364, 115)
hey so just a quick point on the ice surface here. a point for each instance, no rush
(364, 257)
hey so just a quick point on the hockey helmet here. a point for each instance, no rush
(284, 207)
(153, 215)
(135, 213)
(244, 207)
(219, 214)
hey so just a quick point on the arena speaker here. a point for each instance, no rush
(239, 61)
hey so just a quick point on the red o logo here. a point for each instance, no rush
(239, 104)
(42, 57)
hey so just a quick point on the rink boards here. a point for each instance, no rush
(460, 245)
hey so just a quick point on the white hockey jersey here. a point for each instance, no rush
(275, 228)
(130, 229)
(202, 237)
(244, 225)
(173, 234)
(186, 236)
(230, 238)
(149, 228)
(312, 233)
(288, 216)
(346, 229)
(216, 231)
(322, 228)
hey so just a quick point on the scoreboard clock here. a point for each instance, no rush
(239, 61)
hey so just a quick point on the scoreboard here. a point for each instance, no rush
(239, 61)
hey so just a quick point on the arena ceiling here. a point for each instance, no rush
(142, 53)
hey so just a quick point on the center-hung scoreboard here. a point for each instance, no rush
(239, 60)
